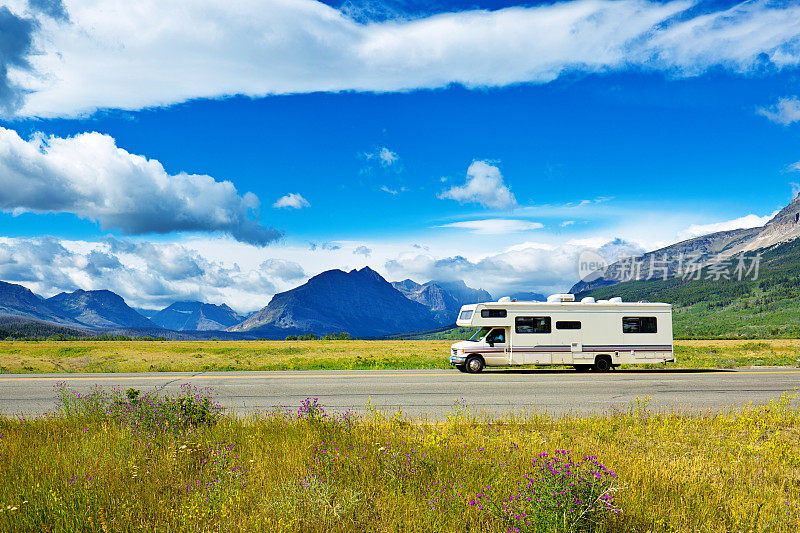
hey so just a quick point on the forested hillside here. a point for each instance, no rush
(768, 306)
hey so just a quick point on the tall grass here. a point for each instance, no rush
(195, 356)
(103, 463)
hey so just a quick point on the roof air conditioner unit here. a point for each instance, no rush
(561, 298)
(615, 300)
(504, 299)
(587, 300)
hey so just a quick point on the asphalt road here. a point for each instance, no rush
(431, 393)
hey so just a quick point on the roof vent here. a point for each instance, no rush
(504, 299)
(615, 300)
(561, 298)
(587, 300)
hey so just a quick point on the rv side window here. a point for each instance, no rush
(465, 315)
(639, 324)
(493, 313)
(532, 324)
(568, 324)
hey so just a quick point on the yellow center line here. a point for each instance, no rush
(103, 377)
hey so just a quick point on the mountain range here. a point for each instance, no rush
(359, 302)
(196, 316)
(713, 300)
(364, 304)
(701, 251)
(443, 298)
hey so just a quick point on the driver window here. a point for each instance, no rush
(497, 336)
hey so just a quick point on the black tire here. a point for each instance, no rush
(461, 368)
(474, 364)
(602, 363)
(582, 368)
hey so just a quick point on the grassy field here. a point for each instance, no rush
(140, 356)
(142, 463)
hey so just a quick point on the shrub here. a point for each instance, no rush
(558, 494)
(192, 407)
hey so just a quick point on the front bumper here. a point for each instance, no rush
(456, 360)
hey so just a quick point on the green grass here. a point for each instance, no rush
(198, 356)
(310, 471)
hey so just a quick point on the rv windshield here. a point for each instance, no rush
(481, 333)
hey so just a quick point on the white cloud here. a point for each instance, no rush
(795, 188)
(393, 192)
(745, 38)
(89, 176)
(484, 186)
(282, 269)
(363, 250)
(786, 111)
(292, 201)
(747, 221)
(178, 51)
(386, 157)
(495, 226)
(567, 223)
(530, 268)
(794, 167)
(150, 275)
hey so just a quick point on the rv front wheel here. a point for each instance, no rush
(602, 363)
(474, 364)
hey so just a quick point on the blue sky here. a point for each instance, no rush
(425, 139)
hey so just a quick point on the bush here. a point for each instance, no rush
(558, 494)
(192, 407)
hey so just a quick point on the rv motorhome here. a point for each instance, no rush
(589, 334)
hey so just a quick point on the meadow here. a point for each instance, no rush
(197, 356)
(131, 461)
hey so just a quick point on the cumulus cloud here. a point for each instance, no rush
(484, 186)
(363, 250)
(89, 176)
(291, 201)
(145, 274)
(495, 226)
(211, 48)
(525, 268)
(528, 266)
(52, 8)
(282, 269)
(16, 38)
(747, 221)
(786, 111)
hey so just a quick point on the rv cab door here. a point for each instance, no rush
(498, 351)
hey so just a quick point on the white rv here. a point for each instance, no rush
(589, 334)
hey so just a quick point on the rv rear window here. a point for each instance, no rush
(568, 324)
(493, 313)
(532, 324)
(639, 324)
(465, 315)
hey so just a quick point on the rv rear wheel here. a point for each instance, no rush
(474, 364)
(602, 363)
